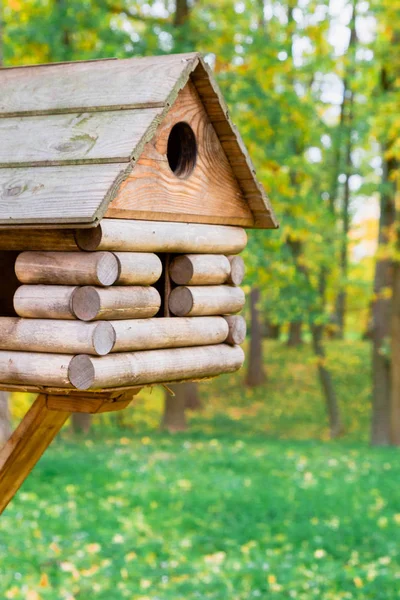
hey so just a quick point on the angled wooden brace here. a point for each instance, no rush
(37, 430)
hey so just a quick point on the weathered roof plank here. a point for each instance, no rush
(63, 195)
(92, 85)
(114, 136)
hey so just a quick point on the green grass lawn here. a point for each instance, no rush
(252, 502)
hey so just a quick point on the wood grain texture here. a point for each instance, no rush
(210, 193)
(152, 236)
(93, 85)
(206, 300)
(138, 268)
(154, 366)
(200, 269)
(237, 329)
(88, 404)
(60, 337)
(76, 138)
(44, 301)
(117, 302)
(148, 84)
(238, 270)
(37, 239)
(25, 447)
(68, 268)
(150, 334)
(69, 194)
(34, 368)
(233, 146)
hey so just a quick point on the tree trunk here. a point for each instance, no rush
(295, 331)
(381, 317)
(181, 12)
(255, 372)
(346, 125)
(174, 418)
(81, 422)
(272, 331)
(193, 400)
(395, 359)
(335, 423)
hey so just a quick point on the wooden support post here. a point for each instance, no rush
(28, 442)
(37, 430)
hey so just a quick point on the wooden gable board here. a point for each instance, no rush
(210, 194)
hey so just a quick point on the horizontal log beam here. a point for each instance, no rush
(86, 303)
(150, 334)
(44, 301)
(38, 239)
(59, 337)
(206, 269)
(154, 366)
(117, 302)
(68, 268)
(138, 268)
(154, 236)
(206, 300)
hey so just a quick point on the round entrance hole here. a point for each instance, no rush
(182, 150)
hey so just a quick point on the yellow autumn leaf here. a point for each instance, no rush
(44, 580)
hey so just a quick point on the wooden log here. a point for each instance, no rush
(68, 268)
(155, 236)
(149, 334)
(154, 366)
(200, 269)
(86, 303)
(237, 270)
(25, 447)
(118, 302)
(206, 300)
(44, 301)
(60, 337)
(237, 329)
(38, 239)
(35, 368)
(138, 268)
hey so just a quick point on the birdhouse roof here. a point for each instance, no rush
(71, 133)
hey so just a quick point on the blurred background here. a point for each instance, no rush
(280, 481)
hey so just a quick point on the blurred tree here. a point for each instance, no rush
(255, 371)
(385, 328)
(295, 334)
(344, 166)
(174, 418)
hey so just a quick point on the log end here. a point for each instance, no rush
(104, 338)
(181, 270)
(181, 301)
(237, 270)
(237, 329)
(81, 372)
(108, 268)
(89, 239)
(85, 303)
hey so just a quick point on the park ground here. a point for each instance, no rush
(253, 501)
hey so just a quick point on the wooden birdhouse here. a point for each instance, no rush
(124, 194)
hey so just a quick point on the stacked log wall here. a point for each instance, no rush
(92, 293)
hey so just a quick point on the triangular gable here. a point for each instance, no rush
(71, 133)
